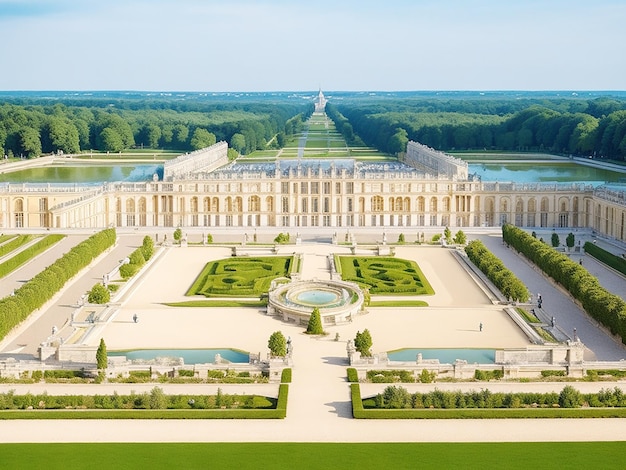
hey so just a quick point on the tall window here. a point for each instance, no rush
(19, 213)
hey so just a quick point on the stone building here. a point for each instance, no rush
(425, 189)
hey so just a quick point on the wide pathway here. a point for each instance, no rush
(558, 303)
(24, 342)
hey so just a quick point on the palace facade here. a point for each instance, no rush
(425, 189)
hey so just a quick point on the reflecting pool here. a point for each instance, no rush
(190, 356)
(540, 172)
(84, 174)
(448, 356)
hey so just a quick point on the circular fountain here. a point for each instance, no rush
(338, 301)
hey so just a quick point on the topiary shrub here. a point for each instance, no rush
(99, 294)
(315, 323)
(570, 397)
(147, 248)
(277, 344)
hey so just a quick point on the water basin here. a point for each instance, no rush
(447, 356)
(190, 356)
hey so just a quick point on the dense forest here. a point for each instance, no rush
(30, 127)
(569, 126)
(36, 123)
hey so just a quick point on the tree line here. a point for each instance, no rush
(595, 127)
(602, 305)
(30, 130)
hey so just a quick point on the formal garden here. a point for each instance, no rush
(384, 275)
(395, 402)
(241, 277)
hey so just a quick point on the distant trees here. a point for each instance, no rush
(113, 126)
(564, 126)
(595, 127)
(202, 138)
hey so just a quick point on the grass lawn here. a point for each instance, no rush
(362, 456)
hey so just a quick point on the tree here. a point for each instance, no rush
(570, 397)
(363, 343)
(277, 344)
(111, 140)
(460, 238)
(398, 141)
(178, 235)
(202, 138)
(570, 240)
(180, 134)
(238, 142)
(280, 139)
(60, 134)
(401, 238)
(315, 323)
(99, 294)
(29, 142)
(150, 136)
(447, 233)
(147, 247)
(282, 238)
(556, 241)
(102, 360)
(396, 397)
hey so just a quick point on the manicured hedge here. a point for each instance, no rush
(353, 375)
(137, 258)
(605, 307)
(359, 412)
(281, 405)
(510, 285)
(27, 254)
(35, 293)
(14, 244)
(153, 405)
(285, 376)
(606, 257)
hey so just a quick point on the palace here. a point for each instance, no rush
(424, 189)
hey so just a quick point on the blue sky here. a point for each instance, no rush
(284, 45)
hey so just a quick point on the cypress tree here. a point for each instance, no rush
(315, 323)
(101, 355)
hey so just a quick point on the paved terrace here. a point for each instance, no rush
(319, 409)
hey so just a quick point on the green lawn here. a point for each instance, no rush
(361, 456)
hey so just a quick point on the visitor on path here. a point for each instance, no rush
(480, 327)
(135, 318)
